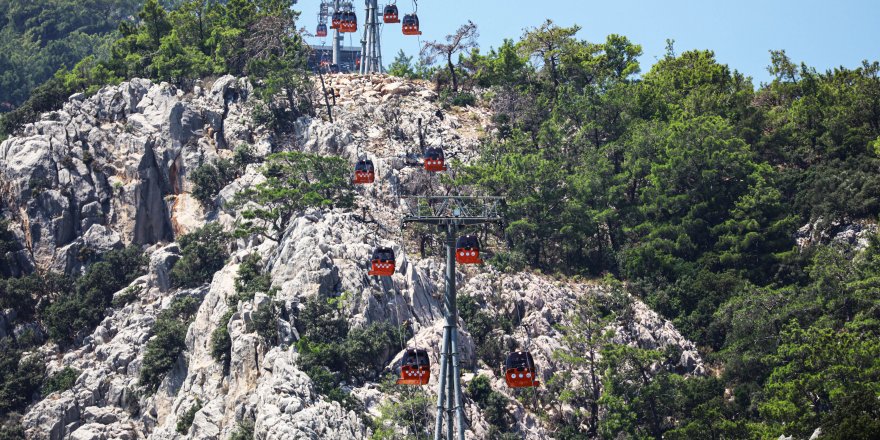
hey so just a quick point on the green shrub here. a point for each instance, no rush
(331, 354)
(250, 280)
(242, 156)
(221, 343)
(245, 431)
(10, 428)
(265, 323)
(61, 381)
(167, 342)
(23, 294)
(493, 403)
(411, 413)
(263, 115)
(463, 100)
(294, 183)
(77, 311)
(328, 383)
(202, 253)
(127, 296)
(163, 349)
(20, 379)
(366, 349)
(209, 178)
(8, 243)
(318, 321)
(513, 261)
(48, 96)
(186, 420)
(480, 326)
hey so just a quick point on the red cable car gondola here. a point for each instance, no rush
(411, 25)
(322, 30)
(435, 160)
(467, 250)
(382, 263)
(520, 371)
(364, 172)
(336, 20)
(349, 22)
(415, 368)
(390, 15)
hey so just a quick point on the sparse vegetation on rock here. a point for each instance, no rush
(167, 341)
(202, 253)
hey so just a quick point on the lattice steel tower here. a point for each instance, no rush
(371, 44)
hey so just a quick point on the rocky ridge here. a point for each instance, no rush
(113, 169)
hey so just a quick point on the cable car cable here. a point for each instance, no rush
(405, 353)
(409, 392)
(415, 333)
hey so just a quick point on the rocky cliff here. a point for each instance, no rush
(114, 169)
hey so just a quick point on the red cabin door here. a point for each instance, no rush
(435, 165)
(364, 177)
(414, 375)
(467, 256)
(382, 268)
(521, 378)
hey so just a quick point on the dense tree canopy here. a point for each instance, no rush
(41, 36)
(690, 184)
(197, 38)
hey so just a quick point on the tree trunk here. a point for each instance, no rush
(452, 73)
(596, 390)
(652, 405)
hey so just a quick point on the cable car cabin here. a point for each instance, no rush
(322, 30)
(390, 14)
(382, 263)
(411, 25)
(336, 20)
(435, 160)
(415, 368)
(349, 22)
(364, 172)
(520, 371)
(467, 250)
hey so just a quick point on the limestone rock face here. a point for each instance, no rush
(851, 234)
(113, 169)
(120, 160)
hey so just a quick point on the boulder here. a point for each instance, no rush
(161, 262)
(397, 88)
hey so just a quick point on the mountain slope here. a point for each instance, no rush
(117, 168)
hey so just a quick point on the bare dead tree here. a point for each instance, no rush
(463, 39)
(266, 37)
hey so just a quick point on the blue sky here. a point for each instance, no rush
(824, 34)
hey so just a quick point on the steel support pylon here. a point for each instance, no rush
(451, 213)
(449, 393)
(337, 37)
(371, 44)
